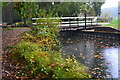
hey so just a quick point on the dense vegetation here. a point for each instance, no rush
(27, 10)
(39, 55)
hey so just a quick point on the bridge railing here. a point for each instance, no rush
(72, 21)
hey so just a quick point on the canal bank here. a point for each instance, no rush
(99, 51)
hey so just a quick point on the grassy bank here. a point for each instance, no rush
(113, 23)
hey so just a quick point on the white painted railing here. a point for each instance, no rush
(64, 18)
(69, 23)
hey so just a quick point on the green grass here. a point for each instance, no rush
(113, 23)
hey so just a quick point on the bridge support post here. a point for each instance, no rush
(91, 21)
(69, 23)
(97, 22)
(85, 19)
(77, 22)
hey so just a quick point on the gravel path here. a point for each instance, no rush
(9, 37)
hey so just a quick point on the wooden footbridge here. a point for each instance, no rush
(74, 23)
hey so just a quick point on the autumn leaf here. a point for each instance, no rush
(96, 56)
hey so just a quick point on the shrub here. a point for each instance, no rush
(46, 64)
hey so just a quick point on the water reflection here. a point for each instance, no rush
(111, 56)
(100, 55)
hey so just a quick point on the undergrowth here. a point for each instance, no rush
(39, 53)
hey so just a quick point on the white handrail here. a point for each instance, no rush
(70, 23)
(64, 18)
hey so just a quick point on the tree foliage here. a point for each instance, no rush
(73, 8)
(97, 7)
(27, 10)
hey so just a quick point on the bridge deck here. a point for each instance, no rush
(82, 24)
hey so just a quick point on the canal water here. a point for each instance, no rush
(99, 52)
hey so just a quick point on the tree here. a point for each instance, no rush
(63, 8)
(97, 7)
(88, 9)
(72, 8)
(26, 10)
(105, 16)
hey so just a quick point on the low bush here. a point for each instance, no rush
(46, 64)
